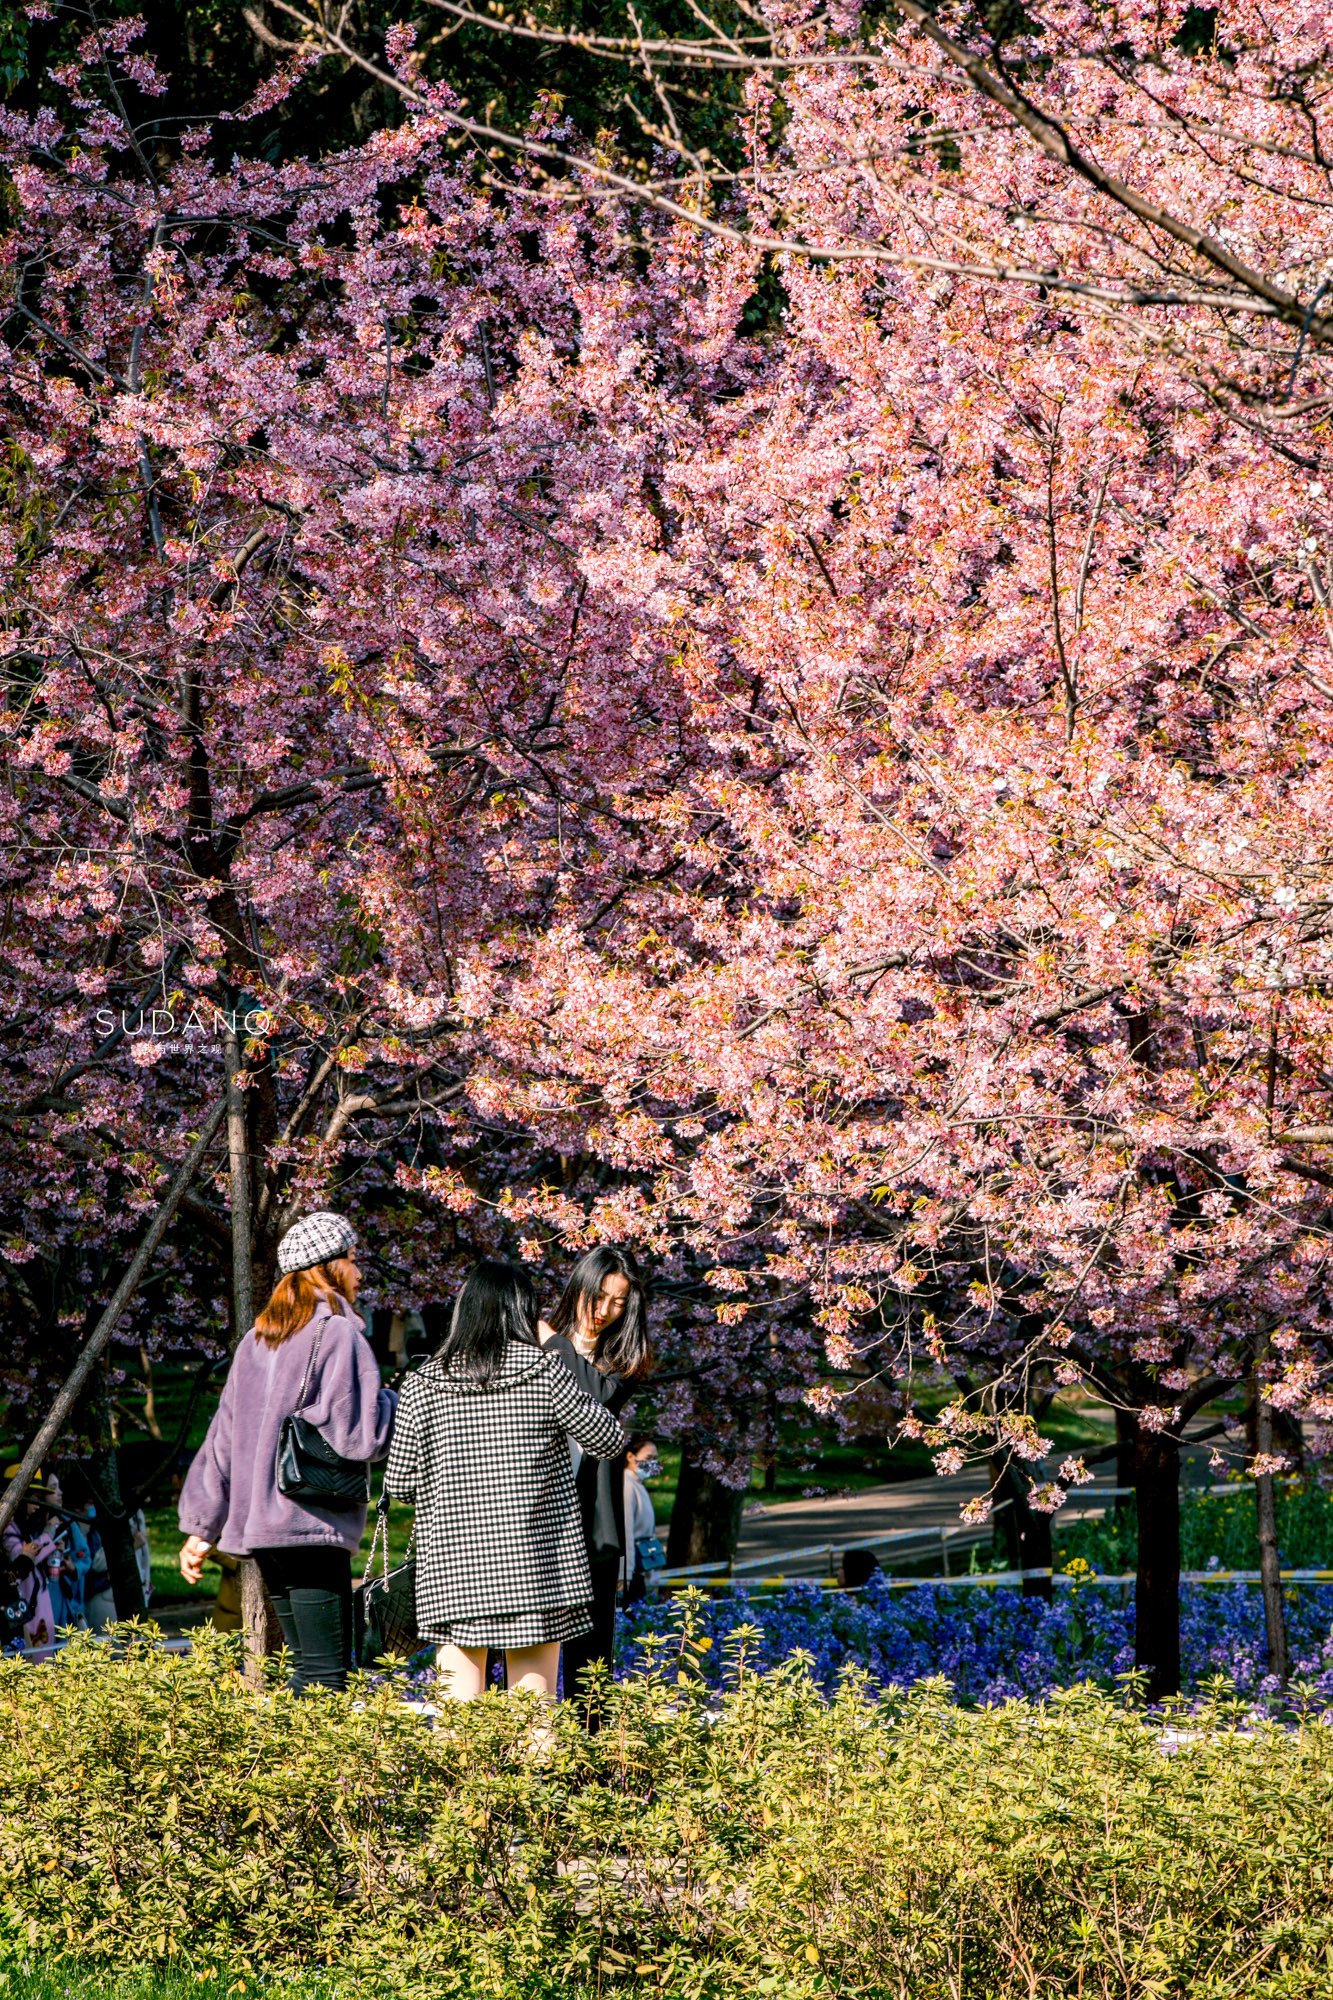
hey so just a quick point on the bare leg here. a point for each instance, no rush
(462, 1671)
(533, 1669)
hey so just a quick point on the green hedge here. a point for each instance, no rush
(155, 1812)
(1220, 1525)
(49, 1979)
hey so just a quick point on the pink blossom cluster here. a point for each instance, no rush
(838, 800)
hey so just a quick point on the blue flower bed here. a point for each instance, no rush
(992, 1644)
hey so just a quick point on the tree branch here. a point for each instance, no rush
(74, 1383)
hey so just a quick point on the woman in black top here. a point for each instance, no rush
(600, 1331)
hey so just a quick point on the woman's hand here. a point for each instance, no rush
(192, 1558)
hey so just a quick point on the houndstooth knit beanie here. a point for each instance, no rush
(314, 1240)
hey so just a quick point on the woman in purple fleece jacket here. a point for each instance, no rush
(230, 1499)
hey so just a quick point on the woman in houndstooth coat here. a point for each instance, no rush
(481, 1448)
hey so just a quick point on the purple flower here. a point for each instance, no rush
(992, 1644)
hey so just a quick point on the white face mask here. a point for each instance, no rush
(648, 1468)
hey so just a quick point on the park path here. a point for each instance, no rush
(928, 1503)
(875, 1511)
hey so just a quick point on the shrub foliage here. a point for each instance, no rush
(1214, 1527)
(153, 1810)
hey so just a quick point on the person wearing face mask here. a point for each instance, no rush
(641, 1465)
(306, 1355)
(600, 1331)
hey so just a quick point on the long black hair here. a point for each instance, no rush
(623, 1348)
(498, 1303)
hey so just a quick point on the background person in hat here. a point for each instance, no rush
(32, 1558)
(230, 1499)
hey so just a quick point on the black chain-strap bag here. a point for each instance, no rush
(307, 1468)
(386, 1605)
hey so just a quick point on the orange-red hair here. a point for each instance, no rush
(293, 1300)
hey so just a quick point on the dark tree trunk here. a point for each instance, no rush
(1005, 1519)
(1157, 1585)
(117, 1540)
(1270, 1574)
(1126, 1446)
(1289, 1439)
(705, 1518)
(1029, 1539)
(769, 1460)
(1035, 1551)
(1251, 1418)
(259, 1621)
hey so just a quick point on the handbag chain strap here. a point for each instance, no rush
(309, 1368)
(380, 1540)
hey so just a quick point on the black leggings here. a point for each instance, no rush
(600, 1643)
(311, 1590)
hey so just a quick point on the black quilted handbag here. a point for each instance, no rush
(308, 1469)
(386, 1605)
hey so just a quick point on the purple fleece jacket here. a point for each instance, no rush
(230, 1497)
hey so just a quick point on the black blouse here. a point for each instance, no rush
(599, 1482)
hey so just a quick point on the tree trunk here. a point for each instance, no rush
(149, 1395)
(705, 1518)
(263, 1636)
(1289, 1439)
(259, 1622)
(114, 1528)
(1126, 1446)
(1157, 1585)
(1270, 1574)
(1005, 1519)
(1252, 1415)
(1030, 1537)
(1035, 1551)
(238, 1149)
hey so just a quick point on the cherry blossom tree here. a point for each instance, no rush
(320, 715)
(1004, 595)
(833, 749)
(1025, 625)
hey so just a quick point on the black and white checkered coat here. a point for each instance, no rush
(498, 1526)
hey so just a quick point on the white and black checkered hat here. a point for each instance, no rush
(314, 1240)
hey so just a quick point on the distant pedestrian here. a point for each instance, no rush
(80, 1548)
(99, 1601)
(642, 1549)
(482, 1450)
(856, 1568)
(32, 1558)
(305, 1355)
(73, 1559)
(143, 1554)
